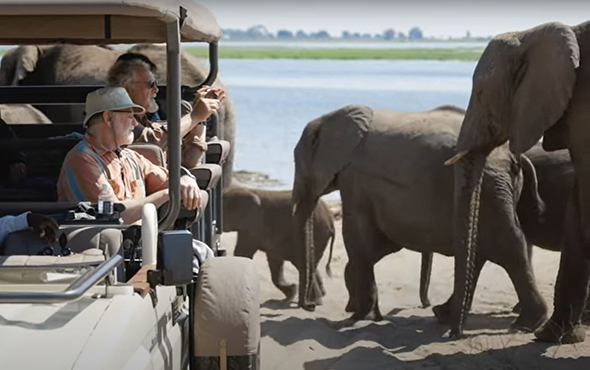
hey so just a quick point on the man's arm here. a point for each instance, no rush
(11, 224)
(133, 207)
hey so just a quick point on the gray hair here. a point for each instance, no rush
(123, 72)
(94, 119)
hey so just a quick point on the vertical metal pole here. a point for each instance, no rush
(173, 102)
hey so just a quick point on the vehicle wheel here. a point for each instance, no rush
(227, 315)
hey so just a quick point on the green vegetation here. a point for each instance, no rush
(343, 54)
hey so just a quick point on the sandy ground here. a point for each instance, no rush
(409, 337)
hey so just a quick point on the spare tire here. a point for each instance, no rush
(227, 315)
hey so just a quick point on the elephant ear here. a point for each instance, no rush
(326, 146)
(549, 55)
(25, 63)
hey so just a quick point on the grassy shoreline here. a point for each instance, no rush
(461, 54)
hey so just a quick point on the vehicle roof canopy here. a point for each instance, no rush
(103, 22)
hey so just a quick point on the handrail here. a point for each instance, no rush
(72, 292)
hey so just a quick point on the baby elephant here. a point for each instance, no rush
(263, 220)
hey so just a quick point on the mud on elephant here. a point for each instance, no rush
(528, 85)
(88, 65)
(396, 193)
(264, 221)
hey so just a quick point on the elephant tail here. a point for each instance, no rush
(530, 207)
(425, 272)
(332, 239)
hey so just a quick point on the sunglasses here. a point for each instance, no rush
(150, 83)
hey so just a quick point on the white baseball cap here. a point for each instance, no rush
(107, 99)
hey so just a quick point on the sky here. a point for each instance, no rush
(436, 18)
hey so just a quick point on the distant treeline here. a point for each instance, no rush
(262, 33)
(464, 54)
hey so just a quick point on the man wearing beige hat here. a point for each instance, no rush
(98, 165)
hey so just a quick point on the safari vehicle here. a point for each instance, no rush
(115, 296)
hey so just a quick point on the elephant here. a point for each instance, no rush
(67, 64)
(264, 222)
(396, 193)
(528, 85)
(22, 113)
(554, 178)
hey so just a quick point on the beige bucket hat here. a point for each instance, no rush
(109, 98)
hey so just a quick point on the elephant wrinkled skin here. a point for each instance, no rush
(528, 85)
(264, 221)
(397, 193)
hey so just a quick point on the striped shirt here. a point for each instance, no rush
(129, 175)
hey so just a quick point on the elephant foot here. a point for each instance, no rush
(372, 316)
(290, 292)
(442, 313)
(318, 301)
(530, 322)
(349, 307)
(554, 333)
(516, 308)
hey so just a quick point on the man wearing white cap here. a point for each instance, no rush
(98, 162)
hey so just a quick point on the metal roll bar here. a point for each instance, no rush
(72, 292)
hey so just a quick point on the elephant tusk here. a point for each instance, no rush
(294, 209)
(456, 158)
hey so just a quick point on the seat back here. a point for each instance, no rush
(80, 239)
(151, 151)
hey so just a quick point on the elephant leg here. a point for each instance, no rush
(512, 253)
(586, 314)
(361, 238)
(443, 311)
(317, 290)
(316, 294)
(517, 307)
(278, 278)
(349, 281)
(244, 248)
(571, 288)
(320, 282)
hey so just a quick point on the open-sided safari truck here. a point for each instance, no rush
(120, 296)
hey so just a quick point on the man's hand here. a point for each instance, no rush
(44, 225)
(207, 101)
(189, 192)
(18, 171)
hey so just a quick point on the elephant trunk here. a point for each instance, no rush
(468, 186)
(425, 272)
(304, 222)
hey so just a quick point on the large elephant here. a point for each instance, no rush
(88, 65)
(528, 85)
(264, 222)
(396, 193)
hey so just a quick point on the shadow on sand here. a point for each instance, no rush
(527, 356)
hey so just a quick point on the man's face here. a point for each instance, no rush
(123, 122)
(143, 89)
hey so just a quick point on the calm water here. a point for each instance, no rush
(344, 44)
(274, 99)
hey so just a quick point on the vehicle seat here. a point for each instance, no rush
(151, 151)
(217, 151)
(27, 242)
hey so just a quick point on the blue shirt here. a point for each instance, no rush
(10, 224)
